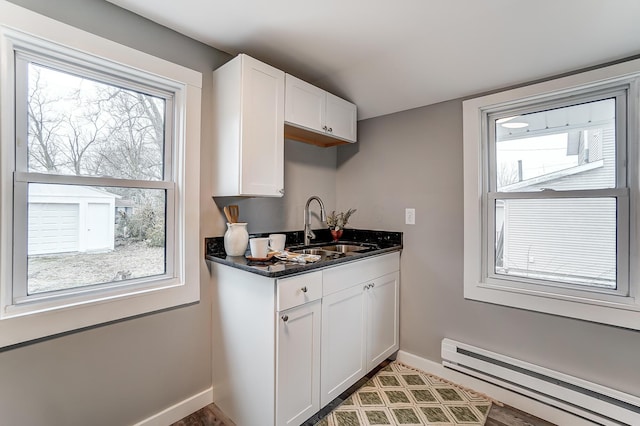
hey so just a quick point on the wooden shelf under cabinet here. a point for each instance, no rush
(307, 136)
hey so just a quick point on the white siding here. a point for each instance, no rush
(601, 177)
(566, 237)
(563, 237)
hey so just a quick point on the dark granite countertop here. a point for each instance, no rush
(379, 241)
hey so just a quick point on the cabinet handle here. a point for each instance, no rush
(285, 318)
(304, 289)
(281, 191)
(373, 285)
(324, 128)
(330, 130)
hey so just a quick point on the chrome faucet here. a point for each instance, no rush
(308, 233)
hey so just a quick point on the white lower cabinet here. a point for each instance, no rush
(359, 322)
(382, 309)
(343, 342)
(284, 348)
(297, 364)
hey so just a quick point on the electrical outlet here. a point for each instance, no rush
(410, 216)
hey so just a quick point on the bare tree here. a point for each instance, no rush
(85, 129)
(44, 121)
(95, 129)
(135, 150)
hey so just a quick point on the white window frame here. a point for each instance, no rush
(617, 90)
(24, 318)
(620, 307)
(37, 53)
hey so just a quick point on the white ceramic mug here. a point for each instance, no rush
(259, 247)
(277, 241)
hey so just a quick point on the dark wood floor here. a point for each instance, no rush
(207, 416)
(509, 416)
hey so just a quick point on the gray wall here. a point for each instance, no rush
(414, 159)
(121, 373)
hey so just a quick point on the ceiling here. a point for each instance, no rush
(394, 55)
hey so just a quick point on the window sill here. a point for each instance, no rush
(625, 315)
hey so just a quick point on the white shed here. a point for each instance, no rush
(70, 218)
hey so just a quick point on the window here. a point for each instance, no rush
(95, 188)
(105, 145)
(550, 196)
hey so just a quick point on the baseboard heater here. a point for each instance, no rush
(591, 401)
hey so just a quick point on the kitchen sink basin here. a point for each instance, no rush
(334, 251)
(311, 251)
(345, 248)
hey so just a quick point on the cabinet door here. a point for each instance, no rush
(298, 364)
(343, 341)
(341, 118)
(262, 136)
(382, 318)
(304, 104)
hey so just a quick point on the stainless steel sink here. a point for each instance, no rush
(315, 251)
(335, 251)
(345, 248)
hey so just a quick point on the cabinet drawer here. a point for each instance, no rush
(300, 289)
(352, 273)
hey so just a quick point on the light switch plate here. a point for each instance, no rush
(410, 216)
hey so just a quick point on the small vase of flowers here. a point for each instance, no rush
(337, 221)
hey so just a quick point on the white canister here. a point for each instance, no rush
(236, 239)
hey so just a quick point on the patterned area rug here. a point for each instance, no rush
(399, 395)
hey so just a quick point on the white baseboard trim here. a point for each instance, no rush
(505, 396)
(180, 410)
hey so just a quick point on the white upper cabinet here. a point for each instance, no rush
(315, 116)
(304, 104)
(248, 125)
(341, 118)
